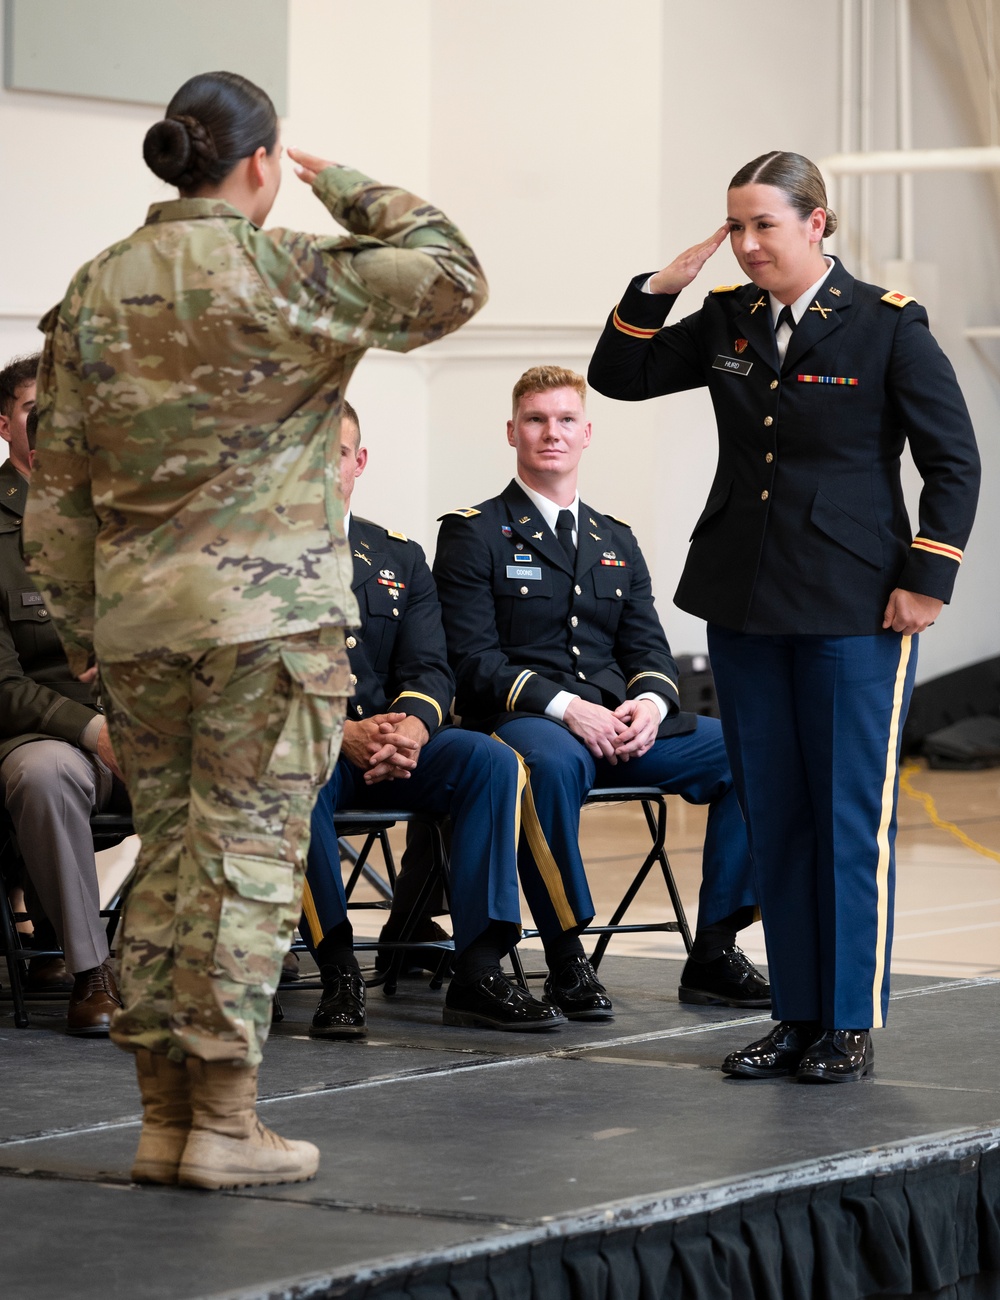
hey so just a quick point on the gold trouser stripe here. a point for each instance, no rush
(419, 695)
(540, 851)
(311, 915)
(882, 839)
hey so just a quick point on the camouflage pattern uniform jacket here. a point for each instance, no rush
(185, 492)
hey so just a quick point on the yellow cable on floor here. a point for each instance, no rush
(922, 797)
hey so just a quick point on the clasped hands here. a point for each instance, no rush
(385, 747)
(617, 736)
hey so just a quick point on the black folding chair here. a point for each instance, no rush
(374, 827)
(654, 808)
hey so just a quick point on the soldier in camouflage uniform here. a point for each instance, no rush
(185, 526)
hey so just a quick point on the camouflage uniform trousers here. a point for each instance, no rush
(224, 753)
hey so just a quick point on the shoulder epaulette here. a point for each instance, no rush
(719, 288)
(400, 537)
(624, 522)
(897, 299)
(466, 512)
(48, 321)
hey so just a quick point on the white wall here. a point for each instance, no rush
(577, 142)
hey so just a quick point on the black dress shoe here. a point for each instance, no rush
(838, 1056)
(415, 960)
(93, 1002)
(778, 1054)
(731, 980)
(495, 1002)
(341, 1010)
(578, 993)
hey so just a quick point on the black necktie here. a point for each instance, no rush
(564, 532)
(785, 317)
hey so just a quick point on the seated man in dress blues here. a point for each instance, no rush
(557, 649)
(397, 753)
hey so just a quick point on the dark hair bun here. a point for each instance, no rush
(831, 223)
(180, 151)
(214, 120)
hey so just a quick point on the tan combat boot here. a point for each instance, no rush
(166, 1117)
(228, 1145)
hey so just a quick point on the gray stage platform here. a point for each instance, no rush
(441, 1143)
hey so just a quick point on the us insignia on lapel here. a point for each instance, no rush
(524, 519)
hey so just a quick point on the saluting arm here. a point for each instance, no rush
(636, 357)
(407, 277)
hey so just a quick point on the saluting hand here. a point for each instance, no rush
(910, 612)
(307, 165)
(682, 270)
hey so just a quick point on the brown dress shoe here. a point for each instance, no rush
(48, 975)
(93, 1002)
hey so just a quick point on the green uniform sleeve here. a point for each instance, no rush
(403, 277)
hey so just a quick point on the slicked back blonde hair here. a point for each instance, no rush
(541, 379)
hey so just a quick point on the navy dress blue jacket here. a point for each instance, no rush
(805, 528)
(523, 623)
(398, 658)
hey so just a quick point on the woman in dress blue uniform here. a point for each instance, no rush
(805, 568)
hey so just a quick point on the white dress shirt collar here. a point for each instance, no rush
(801, 304)
(548, 509)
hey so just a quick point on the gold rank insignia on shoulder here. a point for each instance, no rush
(897, 299)
(726, 288)
(624, 522)
(467, 513)
(400, 537)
